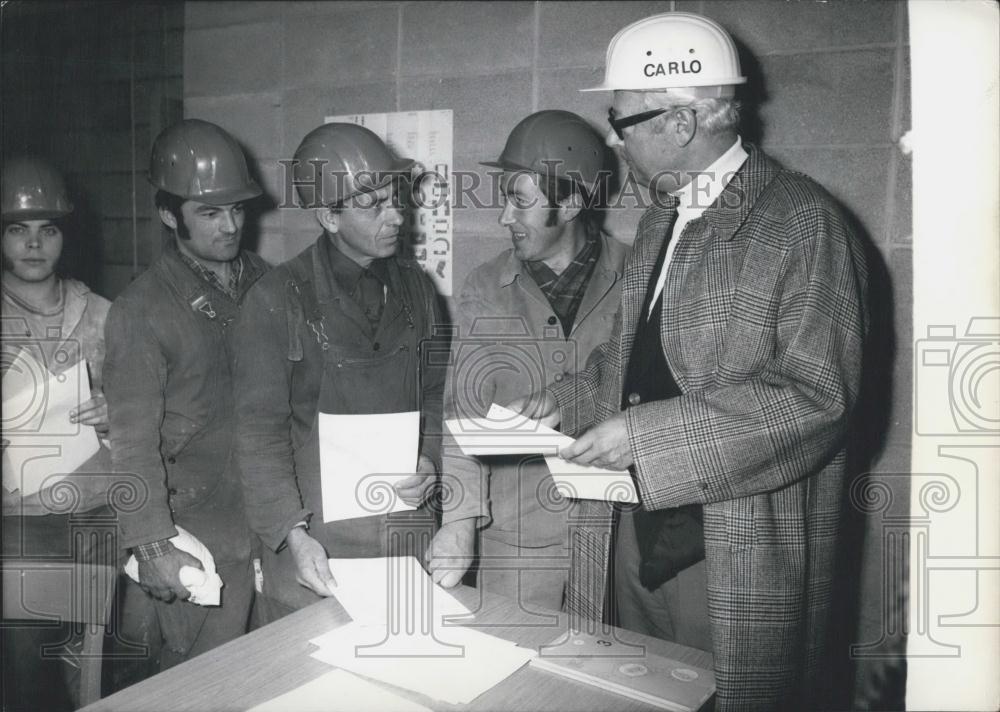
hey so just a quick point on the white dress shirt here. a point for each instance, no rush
(695, 197)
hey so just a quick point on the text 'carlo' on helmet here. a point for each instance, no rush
(669, 51)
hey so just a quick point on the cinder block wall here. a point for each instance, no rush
(84, 84)
(831, 80)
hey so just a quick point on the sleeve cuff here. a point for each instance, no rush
(152, 550)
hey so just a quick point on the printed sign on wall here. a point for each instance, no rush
(426, 137)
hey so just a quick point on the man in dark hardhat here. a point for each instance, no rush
(49, 324)
(728, 389)
(339, 329)
(170, 394)
(529, 316)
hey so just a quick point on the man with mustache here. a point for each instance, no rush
(728, 384)
(169, 389)
(530, 315)
(340, 329)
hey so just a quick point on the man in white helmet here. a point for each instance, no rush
(728, 384)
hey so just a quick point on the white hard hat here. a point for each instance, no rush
(672, 50)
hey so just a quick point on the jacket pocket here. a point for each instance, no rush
(175, 433)
(741, 527)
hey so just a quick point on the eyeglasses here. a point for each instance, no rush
(623, 123)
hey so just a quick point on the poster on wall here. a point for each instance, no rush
(426, 137)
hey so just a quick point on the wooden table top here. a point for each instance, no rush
(276, 659)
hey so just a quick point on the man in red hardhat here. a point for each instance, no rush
(728, 387)
(49, 323)
(529, 316)
(339, 329)
(170, 395)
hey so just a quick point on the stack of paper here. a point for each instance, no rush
(400, 635)
(339, 691)
(504, 432)
(628, 670)
(452, 664)
(393, 591)
(43, 446)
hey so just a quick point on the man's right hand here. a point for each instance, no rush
(450, 554)
(540, 405)
(310, 562)
(160, 576)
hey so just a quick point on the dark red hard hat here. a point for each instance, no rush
(33, 190)
(197, 160)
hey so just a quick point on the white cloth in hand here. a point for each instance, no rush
(205, 586)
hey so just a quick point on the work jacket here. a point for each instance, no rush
(81, 335)
(169, 387)
(763, 322)
(307, 347)
(508, 342)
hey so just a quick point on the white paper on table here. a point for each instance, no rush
(456, 665)
(504, 432)
(43, 445)
(361, 457)
(339, 691)
(377, 590)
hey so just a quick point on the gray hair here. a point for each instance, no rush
(715, 114)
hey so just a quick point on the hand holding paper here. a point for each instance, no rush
(604, 445)
(504, 432)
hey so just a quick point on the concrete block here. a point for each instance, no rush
(253, 119)
(109, 195)
(854, 176)
(199, 15)
(239, 59)
(302, 8)
(452, 38)
(770, 26)
(560, 89)
(828, 98)
(117, 241)
(574, 34)
(304, 108)
(485, 109)
(343, 48)
(901, 229)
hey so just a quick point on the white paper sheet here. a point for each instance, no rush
(455, 665)
(339, 691)
(504, 432)
(392, 589)
(43, 445)
(361, 457)
(583, 482)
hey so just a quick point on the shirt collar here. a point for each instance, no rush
(707, 185)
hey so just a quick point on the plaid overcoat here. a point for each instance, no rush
(763, 323)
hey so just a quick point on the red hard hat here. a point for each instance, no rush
(33, 190)
(352, 159)
(197, 160)
(554, 142)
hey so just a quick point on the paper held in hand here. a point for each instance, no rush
(42, 446)
(361, 457)
(504, 432)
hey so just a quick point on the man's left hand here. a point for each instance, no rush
(605, 445)
(93, 412)
(414, 489)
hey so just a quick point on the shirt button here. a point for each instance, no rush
(703, 485)
(552, 320)
(559, 377)
(172, 490)
(376, 346)
(171, 460)
(634, 399)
